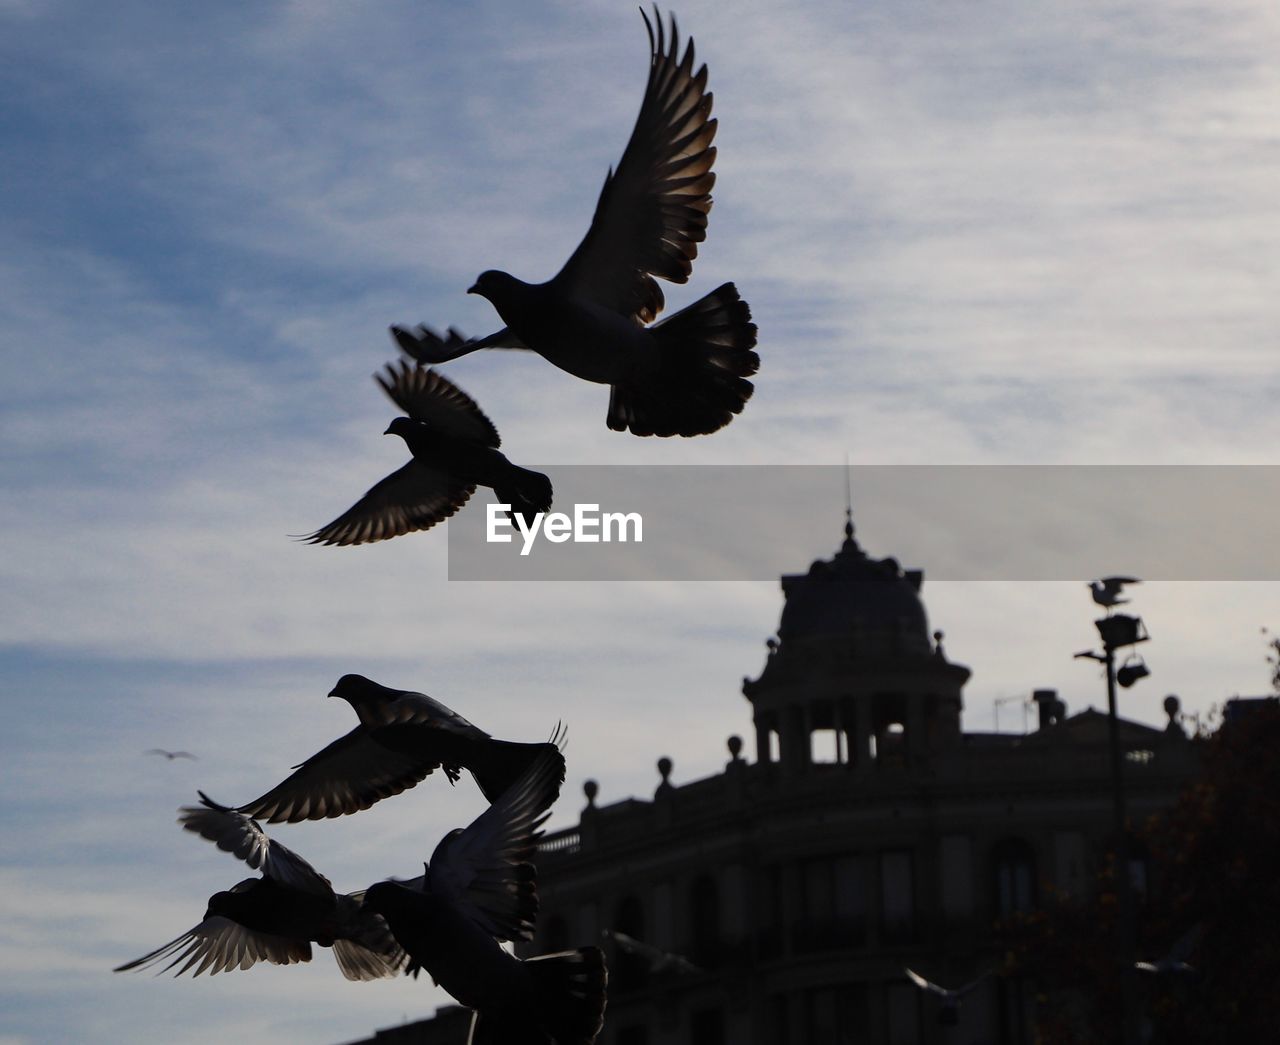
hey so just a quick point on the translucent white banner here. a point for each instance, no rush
(1034, 522)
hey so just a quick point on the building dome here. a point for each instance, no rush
(873, 603)
(854, 657)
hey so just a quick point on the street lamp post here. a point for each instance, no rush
(1119, 631)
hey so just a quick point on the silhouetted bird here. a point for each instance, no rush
(402, 737)
(948, 1000)
(455, 449)
(686, 375)
(479, 888)
(1176, 960)
(277, 917)
(1106, 592)
(170, 755)
(656, 959)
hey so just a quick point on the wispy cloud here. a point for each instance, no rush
(990, 234)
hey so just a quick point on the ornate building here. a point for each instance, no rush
(780, 901)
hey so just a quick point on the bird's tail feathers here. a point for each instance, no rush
(707, 354)
(571, 988)
(498, 764)
(528, 492)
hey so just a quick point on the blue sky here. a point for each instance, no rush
(970, 234)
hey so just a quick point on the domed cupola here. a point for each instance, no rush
(871, 604)
(855, 670)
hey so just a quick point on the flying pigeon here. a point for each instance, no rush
(277, 917)
(479, 888)
(948, 1000)
(1176, 960)
(455, 449)
(170, 755)
(685, 375)
(402, 737)
(1106, 592)
(657, 960)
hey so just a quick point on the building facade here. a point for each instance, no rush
(780, 901)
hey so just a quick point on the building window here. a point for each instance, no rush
(1015, 1010)
(835, 1015)
(629, 971)
(833, 903)
(706, 1027)
(1015, 876)
(956, 858)
(780, 1019)
(902, 1013)
(768, 911)
(704, 901)
(822, 1024)
(897, 896)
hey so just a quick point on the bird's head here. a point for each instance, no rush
(233, 901)
(384, 898)
(356, 688)
(400, 426)
(503, 291)
(489, 283)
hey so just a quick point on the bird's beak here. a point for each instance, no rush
(387, 432)
(474, 288)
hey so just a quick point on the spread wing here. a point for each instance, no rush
(219, 945)
(924, 984)
(349, 775)
(485, 870)
(411, 708)
(652, 211)
(415, 497)
(431, 398)
(235, 833)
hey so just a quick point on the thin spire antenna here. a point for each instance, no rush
(848, 498)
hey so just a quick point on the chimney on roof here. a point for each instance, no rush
(1049, 706)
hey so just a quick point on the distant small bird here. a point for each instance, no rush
(402, 737)
(479, 888)
(657, 960)
(948, 1000)
(170, 755)
(1176, 960)
(686, 375)
(455, 449)
(1106, 592)
(277, 917)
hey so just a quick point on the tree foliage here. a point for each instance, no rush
(1212, 874)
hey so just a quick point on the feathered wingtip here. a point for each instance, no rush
(425, 345)
(658, 39)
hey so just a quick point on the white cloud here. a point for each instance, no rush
(997, 233)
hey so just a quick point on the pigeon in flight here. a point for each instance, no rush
(480, 888)
(1106, 592)
(402, 737)
(277, 917)
(1176, 960)
(948, 1000)
(170, 755)
(455, 449)
(657, 960)
(685, 375)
